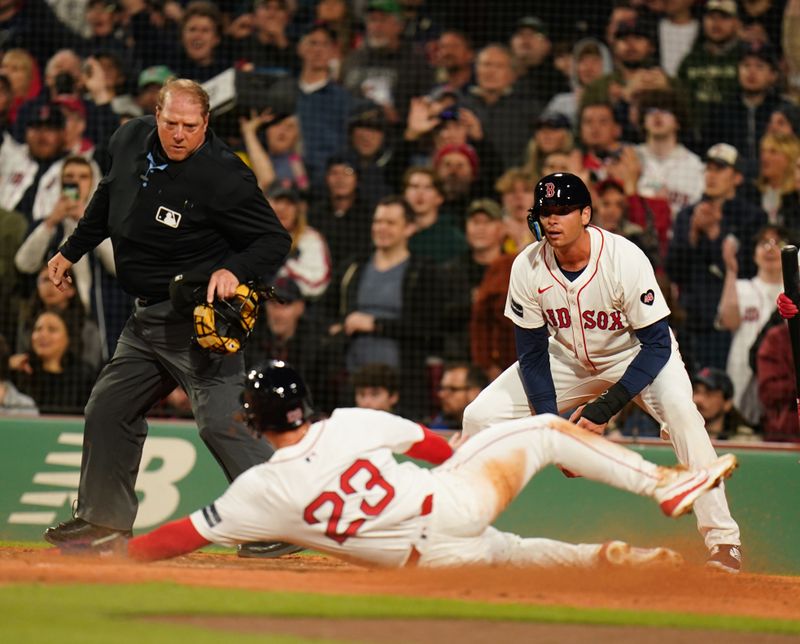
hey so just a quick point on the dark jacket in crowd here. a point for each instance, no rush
(699, 271)
(58, 393)
(348, 233)
(734, 122)
(417, 331)
(200, 214)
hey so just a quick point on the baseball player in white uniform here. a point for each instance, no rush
(591, 329)
(335, 486)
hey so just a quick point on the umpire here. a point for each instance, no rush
(175, 199)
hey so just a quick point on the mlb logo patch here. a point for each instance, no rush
(168, 217)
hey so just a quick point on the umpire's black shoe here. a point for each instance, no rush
(77, 533)
(725, 557)
(267, 549)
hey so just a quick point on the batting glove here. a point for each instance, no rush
(786, 307)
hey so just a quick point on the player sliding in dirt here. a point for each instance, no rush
(335, 486)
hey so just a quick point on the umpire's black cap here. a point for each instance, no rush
(560, 194)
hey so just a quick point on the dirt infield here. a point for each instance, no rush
(690, 590)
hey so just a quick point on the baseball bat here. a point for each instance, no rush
(791, 286)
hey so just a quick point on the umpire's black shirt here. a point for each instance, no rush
(200, 214)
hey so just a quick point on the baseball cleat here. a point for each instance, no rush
(267, 549)
(725, 557)
(80, 536)
(680, 488)
(619, 553)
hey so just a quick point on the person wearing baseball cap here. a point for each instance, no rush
(342, 216)
(484, 232)
(575, 353)
(634, 47)
(75, 125)
(149, 85)
(741, 119)
(721, 211)
(709, 70)
(532, 48)
(713, 395)
(32, 184)
(368, 150)
(387, 70)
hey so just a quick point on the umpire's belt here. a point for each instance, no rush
(149, 301)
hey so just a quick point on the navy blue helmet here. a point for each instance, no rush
(275, 398)
(557, 194)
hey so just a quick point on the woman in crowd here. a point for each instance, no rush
(12, 401)
(776, 175)
(50, 373)
(309, 261)
(280, 160)
(87, 344)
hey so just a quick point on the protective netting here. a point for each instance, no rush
(678, 114)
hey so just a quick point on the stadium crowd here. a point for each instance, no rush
(399, 142)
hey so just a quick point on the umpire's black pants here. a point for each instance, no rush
(154, 352)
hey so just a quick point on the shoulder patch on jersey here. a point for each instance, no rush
(211, 515)
(648, 297)
(517, 308)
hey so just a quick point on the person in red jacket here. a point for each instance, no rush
(776, 386)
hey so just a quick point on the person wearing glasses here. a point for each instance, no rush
(460, 385)
(744, 308)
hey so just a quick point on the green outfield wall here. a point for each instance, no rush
(40, 463)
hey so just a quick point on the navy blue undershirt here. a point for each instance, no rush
(534, 360)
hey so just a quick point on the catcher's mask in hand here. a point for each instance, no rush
(222, 326)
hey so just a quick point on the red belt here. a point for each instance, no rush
(427, 508)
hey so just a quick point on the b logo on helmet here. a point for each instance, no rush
(294, 415)
(549, 190)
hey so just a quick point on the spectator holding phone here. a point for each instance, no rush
(79, 178)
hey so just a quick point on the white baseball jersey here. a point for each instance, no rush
(756, 303)
(339, 490)
(592, 319)
(678, 177)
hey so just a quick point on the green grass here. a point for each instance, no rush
(95, 613)
(87, 614)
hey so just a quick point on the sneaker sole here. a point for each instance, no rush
(719, 567)
(620, 553)
(717, 472)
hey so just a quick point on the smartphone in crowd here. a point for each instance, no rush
(70, 191)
